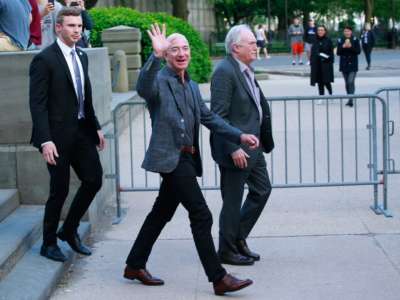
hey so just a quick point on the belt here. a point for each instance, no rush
(188, 149)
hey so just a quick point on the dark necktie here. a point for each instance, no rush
(78, 81)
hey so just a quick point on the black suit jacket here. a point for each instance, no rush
(53, 101)
(232, 99)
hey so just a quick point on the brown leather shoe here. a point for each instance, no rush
(142, 275)
(229, 283)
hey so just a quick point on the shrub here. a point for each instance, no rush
(103, 18)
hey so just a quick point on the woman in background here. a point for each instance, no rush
(321, 60)
(261, 41)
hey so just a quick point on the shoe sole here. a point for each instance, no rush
(234, 290)
(53, 259)
(79, 252)
(145, 283)
(237, 264)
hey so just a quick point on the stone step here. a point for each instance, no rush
(35, 277)
(18, 232)
(9, 201)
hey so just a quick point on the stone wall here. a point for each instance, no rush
(21, 165)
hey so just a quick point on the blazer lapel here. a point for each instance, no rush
(63, 62)
(241, 77)
(172, 86)
(196, 102)
(83, 62)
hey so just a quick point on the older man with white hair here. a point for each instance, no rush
(238, 99)
(177, 110)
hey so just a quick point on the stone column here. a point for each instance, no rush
(127, 39)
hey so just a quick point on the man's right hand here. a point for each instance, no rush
(49, 152)
(48, 9)
(158, 40)
(240, 158)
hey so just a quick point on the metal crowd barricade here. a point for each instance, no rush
(391, 95)
(319, 143)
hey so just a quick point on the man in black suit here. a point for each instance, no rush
(66, 131)
(237, 98)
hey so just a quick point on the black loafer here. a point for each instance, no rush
(235, 259)
(74, 242)
(244, 250)
(53, 252)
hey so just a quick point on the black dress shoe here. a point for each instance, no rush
(349, 103)
(74, 242)
(244, 250)
(236, 259)
(53, 252)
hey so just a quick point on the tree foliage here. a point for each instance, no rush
(239, 11)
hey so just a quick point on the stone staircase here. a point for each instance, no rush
(24, 274)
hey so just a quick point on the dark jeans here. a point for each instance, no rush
(177, 188)
(321, 88)
(237, 220)
(349, 79)
(367, 52)
(82, 155)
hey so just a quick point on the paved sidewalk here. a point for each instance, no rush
(315, 243)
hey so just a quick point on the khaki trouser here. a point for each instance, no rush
(6, 44)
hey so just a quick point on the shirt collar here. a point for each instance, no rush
(243, 67)
(66, 50)
(174, 74)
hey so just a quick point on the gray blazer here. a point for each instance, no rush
(232, 99)
(158, 88)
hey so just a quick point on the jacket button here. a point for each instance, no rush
(182, 135)
(182, 120)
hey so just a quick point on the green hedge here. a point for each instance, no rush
(103, 18)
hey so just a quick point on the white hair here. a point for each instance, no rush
(234, 36)
(176, 35)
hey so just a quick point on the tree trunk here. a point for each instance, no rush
(180, 9)
(369, 11)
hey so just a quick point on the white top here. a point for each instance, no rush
(260, 35)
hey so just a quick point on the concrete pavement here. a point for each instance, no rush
(316, 243)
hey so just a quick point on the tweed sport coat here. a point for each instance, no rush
(232, 99)
(158, 88)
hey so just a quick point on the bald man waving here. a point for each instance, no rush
(177, 110)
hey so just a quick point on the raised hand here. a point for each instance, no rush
(158, 39)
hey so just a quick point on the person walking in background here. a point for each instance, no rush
(261, 41)
(296, 33)
(348, 48)
(310, 37)
(368, 43)
(237, 98)
(66, 132)
(322, 59)
(177, 112)
(84, 42)
(15, 18)
(49, 11)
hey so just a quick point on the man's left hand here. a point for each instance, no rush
(249, 140)
(102, 140)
